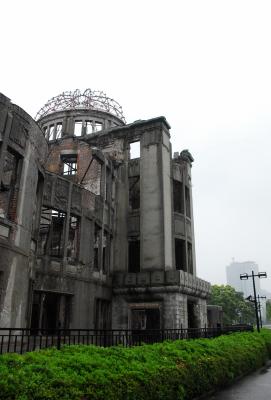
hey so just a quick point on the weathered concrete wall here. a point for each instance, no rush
(22, 138)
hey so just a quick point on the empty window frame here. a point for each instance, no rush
(51, 132)
(148, 318)
(134, 192)
(51, 233)
(69, 164)
(190, 257)
(134, 150)
(97, 238)
(180, 254)
(45, 130)
(187, 202)
(106, 252)
(58, 130)
(73, 239)
(78, 128)
(178, 197)
(98, 126)
(50, 311)
(89, 127)
(10, 184)
(102, 314)
(134, 256)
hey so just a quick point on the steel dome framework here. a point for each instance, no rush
(77, 100)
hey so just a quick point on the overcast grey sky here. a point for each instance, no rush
(205, 65)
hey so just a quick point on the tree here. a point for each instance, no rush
(236, 309)
(268, 310)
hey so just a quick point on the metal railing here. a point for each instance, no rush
(14, 340)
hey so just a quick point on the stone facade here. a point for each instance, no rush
(91, 237)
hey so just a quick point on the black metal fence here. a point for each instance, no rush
(14, 340)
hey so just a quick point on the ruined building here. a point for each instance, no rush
(91, 236)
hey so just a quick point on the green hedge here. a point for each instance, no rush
(180, 370)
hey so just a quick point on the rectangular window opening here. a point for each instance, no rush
(69, 164)
(73, 239)
(98, 126)
(58, 130)
(134, 256)
(102, 314)
(180, 254)
(51, 233)
(89, 127)
(45, 131)
(134, 150)
(134, 192)
(106, 252)
(178, 199)
(144, 319)
(51, 132)
(190, 257)
(78, 128)
(187, 202)
(97, 235)
(10, 185)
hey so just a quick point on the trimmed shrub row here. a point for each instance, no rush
(176, 370)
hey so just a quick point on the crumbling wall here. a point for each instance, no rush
(22, 155)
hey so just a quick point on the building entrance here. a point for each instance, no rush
(50, 310)
(145, 319)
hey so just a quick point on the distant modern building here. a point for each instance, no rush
(235, 269)
(233, 272)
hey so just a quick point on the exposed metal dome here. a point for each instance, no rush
(89, 99)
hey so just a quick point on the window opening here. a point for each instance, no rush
(187, 202)
(73, 239)
(51, 132)
(192, 315)
(45, 131)
(102, 314)
(9, 186)
(190, 257)
(78, 128)
(58, 130)
(50, 311)
(134, 192)
(134, 256)
(98, 126)
(97, 232)
(178, 200)
(51, 233)
(144, 319)
(69, 164)
(180, 254)
(89, 127)
(134, 150)
(106, 252)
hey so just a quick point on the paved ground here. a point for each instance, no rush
(253, 387)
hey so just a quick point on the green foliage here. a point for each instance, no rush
(235, 309)
(179, 370)
(268, 310)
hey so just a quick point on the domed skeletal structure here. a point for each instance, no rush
(77, 100)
